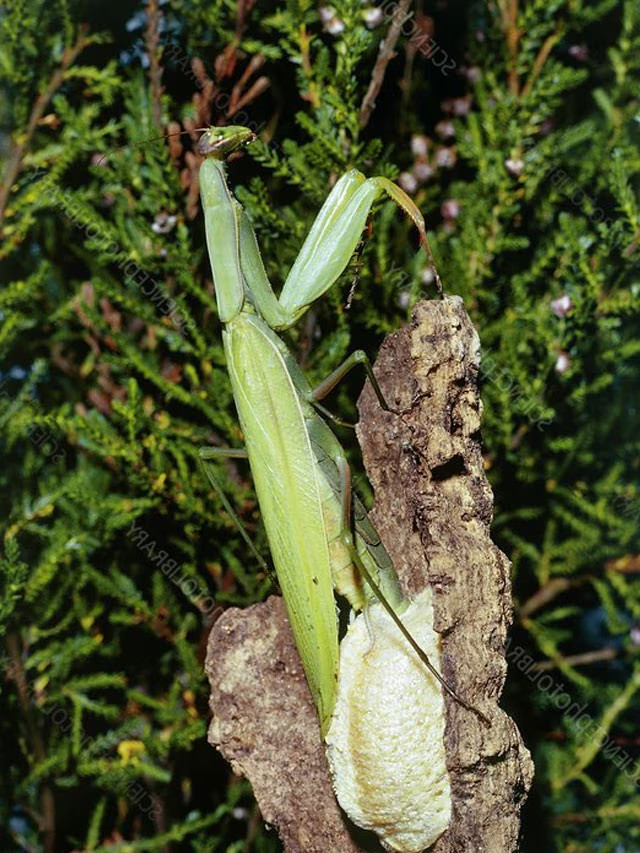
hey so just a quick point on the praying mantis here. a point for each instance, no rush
(319, 535)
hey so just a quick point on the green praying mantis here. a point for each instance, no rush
(319, 535)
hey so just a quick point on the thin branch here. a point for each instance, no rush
(152, 44)
(244, 7)
(577, 660)
(544, 595)
(386, 54)
(14, 163)
(541, 58)
(509, 12)
(47, 819)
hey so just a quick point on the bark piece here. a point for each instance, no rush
(433, 510)
(265, 724)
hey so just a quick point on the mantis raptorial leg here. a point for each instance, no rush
(300, 471)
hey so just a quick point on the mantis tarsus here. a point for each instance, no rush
(319, 535)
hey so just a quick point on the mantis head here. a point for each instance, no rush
(220, 142)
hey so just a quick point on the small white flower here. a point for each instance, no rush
(450, 208)
(426, 276)
(563, 362)
(373, 17)
(419, 145)
(515, 166)
(403, 299)
(326, 13)
(579, 52)
(164, 222)
(461, 106)
(407, 182)
(446, 158)
(332, 24)
(562, 305)
(334, 27)
(473, 74)
(422, 171)
(445, 129)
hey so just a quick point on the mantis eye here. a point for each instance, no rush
(385, 744)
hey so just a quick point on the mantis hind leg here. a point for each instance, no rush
(208, 453)
(349, 543)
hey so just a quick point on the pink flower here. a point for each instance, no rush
(446, 158)
(562, 305)
(403, 298)
(461, 106)
(579, 52)
(422, 171)
(419, 145)
(332, 24)
(373, 17)
(408, 182)
(515, 166)
(473, 74)
(445, 129)
(450, 208)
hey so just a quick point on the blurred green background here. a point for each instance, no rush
(515, 129)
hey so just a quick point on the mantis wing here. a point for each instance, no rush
(285, 475)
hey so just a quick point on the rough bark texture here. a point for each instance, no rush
(433, 510)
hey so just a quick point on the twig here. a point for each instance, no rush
(544, 595)
(47, 818)
(386, 54)
(244, 7)
(510, 27)
(577, 660)
(541, 58)
(152, 42)
(14, 164)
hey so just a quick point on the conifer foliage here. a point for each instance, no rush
(515, 128)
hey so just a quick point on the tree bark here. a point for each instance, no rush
(433, 510)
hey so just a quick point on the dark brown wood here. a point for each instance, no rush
(433, 510)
